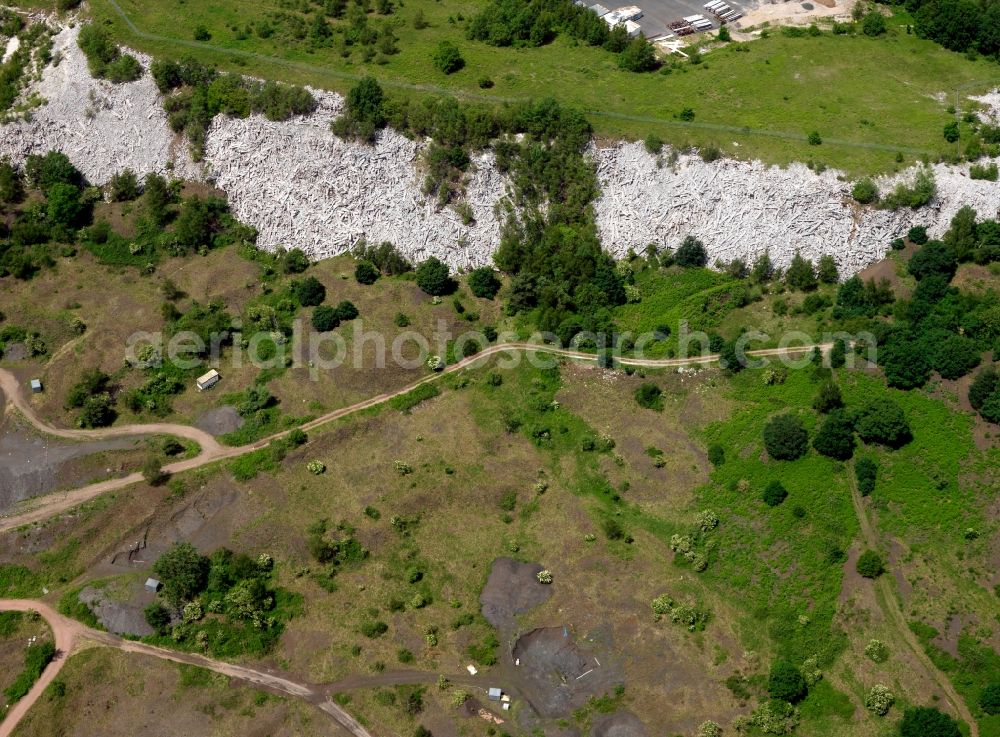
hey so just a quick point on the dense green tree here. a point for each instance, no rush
(990, 410)
(124, 186)
(345, 310)
(97, 411)
(934, 257)
(962, 237)
(905, 363)
(951, 131)
(826, 270)
(324, 318)
(158, 617)
(156, 198)
(866, 473)
(434, 278)
(785, 438)
(183, 571)
(870, 564)
(484, 283)
(989, 698)
(927, 721)
(11, 186)
(786, 683)
(366, 273)
(800, 274)
(52, 168)
(955, 356)
(691, 253)
(835, 438)
(986, 383)
(638, 56)
(838, 353)
(63, 206)
(365, 113)
(864, 191)
(309, 291)
(917, 234)
(883, 421)
(774, 494)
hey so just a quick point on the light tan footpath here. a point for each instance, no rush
(894, 615)
(68, 632)
(44, 507)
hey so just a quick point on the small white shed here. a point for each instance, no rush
(36, 386)
(207, 381)
(152, 585)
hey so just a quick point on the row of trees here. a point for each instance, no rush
(538, 22)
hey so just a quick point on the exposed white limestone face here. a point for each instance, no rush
(300, 185)
(13, 44)
(102, 127)
(740, 209)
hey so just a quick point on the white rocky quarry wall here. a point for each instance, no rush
(301, 186)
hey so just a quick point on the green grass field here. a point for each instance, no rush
(868, 98)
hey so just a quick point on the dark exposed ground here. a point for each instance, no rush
(219, 421)
(33, 464)
(619, 724)
(512, 589)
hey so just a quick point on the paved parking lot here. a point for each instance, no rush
(657, 13)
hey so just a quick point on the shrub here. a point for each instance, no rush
(345, 310)
(774, 494)
(814, 139)
(917, 234)
(785, 438)
(955, 356)
(124, 186)
(873, 24)
(828, 398)
(316, 467)
(716, 454)
(986, 383)
(152, 472)
(914, 195)
(544, 577)
(877, 651)
(879, 700)
(866, 472)
(365, 272)
(649, 396)
(870, 564)
(927, 721)
(373, 629)
(864, 191)
(158, 617)
(295, 261)
(447, 58)
(785, 682)
(986, 172)
(653, 143)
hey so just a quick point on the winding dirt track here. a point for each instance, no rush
(68, 632)
(894, 614)
(211, 450)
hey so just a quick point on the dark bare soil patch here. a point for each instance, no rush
(219, 421)
(512, 589)
(122, 616)
(559, 674)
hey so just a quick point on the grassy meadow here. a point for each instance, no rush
(869, 98)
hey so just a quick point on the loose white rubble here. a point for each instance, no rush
(300, 186)
(13, 44)
(740, 209)
(102, 127)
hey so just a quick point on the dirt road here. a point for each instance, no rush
(68, 632)
(894, 614)
(43, 507)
